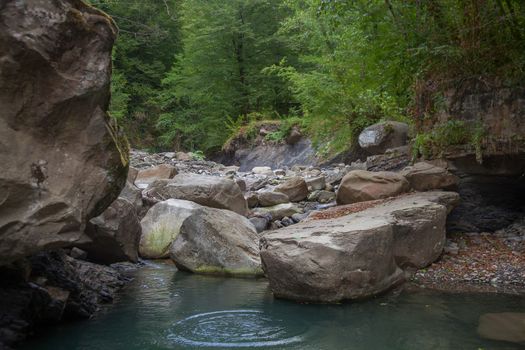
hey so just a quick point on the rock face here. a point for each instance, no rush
(215, 241)
(159, 172)
(361, 185)
(210, 191)
(424, 176)
(161, 225)
(114, 234)
(377, 138)
(295, 188)
(63, 162)
(356, 255)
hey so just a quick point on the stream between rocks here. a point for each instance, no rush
(168, 309)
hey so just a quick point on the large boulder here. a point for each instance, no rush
(63, 161)
(356, 255)
(114, 234)
(362, 185)
(377, 138)
(210, 191)
(161, 225)
(216, 241)
(295, 188)
(133, 194)
(159, 172)
(424, 176)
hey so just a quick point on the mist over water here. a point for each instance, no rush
(168, 309)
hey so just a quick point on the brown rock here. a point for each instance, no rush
(63, 162)
(423, 176)
(295, 188)
(159, 172)
(361, 185)
(268, 199)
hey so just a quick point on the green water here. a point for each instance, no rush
(166, 309)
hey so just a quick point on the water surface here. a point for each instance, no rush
(168, 309)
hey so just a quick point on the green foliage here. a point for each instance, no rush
(451, 133)
(198, 155)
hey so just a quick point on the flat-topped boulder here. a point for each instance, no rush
(356, 255)
(362, 185)
(218, 242)
(211, 191)
(147, 176)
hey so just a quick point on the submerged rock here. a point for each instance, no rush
(161, 225)
(210, 191)
(216, 241)
(361, 185)
(357, 255)
(63, 162)
(506, 326)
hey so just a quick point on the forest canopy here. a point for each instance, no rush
(189, 73)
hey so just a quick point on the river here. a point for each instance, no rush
(167, 309)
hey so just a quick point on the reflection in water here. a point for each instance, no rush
(167, 309)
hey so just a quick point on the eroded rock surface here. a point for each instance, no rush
(63, 162)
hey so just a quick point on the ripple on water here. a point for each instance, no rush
(235, 329)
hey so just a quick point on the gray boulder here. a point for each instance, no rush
(356, 255)
(377, 138)
(219, 242)
(210, 191)
(161, 225)
(63, 160)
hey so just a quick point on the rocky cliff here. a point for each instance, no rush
(63, 162)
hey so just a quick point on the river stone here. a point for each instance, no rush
(159, 172)
(362, 185)
(355, 255)
(210, 191)
(316, 183)
(217, 241)
(377, 138)
(295, 188)
(161, 225)
(63, 161)
(262, 170)
(114, 234)
(279, 211)
(506, 326)
(268, 198)
(423, 176)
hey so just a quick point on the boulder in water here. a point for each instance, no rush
(506, 326)
(219, 242)
(161, 225)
